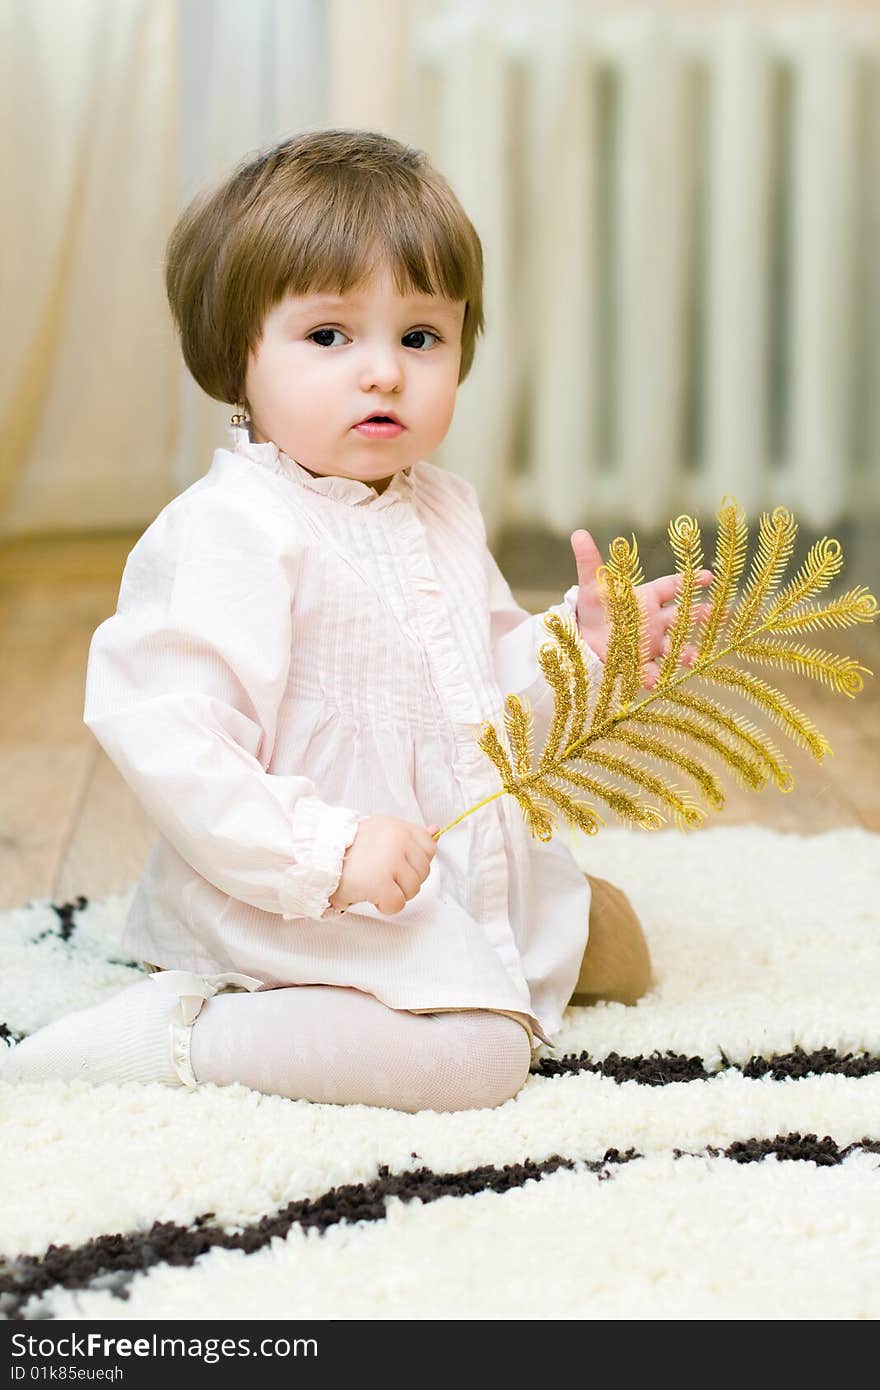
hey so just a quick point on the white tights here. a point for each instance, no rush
(326, 1043)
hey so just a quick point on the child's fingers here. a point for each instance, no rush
(652, 668)
(688, 653)
(663, 589)
(702, 611)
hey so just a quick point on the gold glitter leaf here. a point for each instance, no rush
(778, 706)
(519, 727)
(668, 751)
(839, 672)
(684, 537)
(858, 605)
(683, 807)
(581, 816)
(748, 771)
(536, 818)
(776, 538)
(730, 556)
(553, 663)
(740, 728)
(824, 561)
(626, 656)
(491, 745)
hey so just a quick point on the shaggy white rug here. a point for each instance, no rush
(713, 1152)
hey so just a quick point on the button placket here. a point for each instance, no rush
(430, 625)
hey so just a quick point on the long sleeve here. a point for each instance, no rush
(183, 688)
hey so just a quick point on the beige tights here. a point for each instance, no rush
(338, 1045)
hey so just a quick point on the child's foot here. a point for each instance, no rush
(141, 1033)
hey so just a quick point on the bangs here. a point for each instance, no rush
(337, 247)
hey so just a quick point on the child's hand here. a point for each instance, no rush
(386, 864)
(593, 620)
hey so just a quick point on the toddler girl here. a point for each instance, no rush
(306, 643)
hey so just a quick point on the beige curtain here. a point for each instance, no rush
(87, 380)
(112, 113)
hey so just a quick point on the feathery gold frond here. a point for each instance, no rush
(519, 727)
(777, 705)
(748, 771)
(684, 538)
(626, 655)
(730, 556)
(776, 538)
(553, 663)
(671, 752)
(622, 803)
(540, 824)
(739, 727)
(824, 561)
(491, 745)
(536, 818)
(656, 722)
(577, 813)
(573, 648)
(857, 605)
(839, 672)
(686, 812)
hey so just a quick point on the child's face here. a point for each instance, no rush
(322, 365)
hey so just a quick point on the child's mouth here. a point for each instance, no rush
(379, 429)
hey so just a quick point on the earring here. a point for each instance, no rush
(240, 418)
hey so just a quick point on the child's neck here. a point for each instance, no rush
(380, 484)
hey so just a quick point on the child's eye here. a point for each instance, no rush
(420, 333)
(414, 333)
(331, 331)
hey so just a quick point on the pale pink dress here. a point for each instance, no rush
(291, 654)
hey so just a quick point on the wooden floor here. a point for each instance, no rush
(70, 825)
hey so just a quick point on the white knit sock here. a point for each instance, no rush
(123, 1038)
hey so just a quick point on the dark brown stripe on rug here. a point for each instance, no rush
(662, 1069)
(111, 1262)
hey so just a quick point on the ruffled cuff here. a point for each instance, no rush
(321, 835)
(571, 598)
(596, 663)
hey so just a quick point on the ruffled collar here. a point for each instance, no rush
(349, 490)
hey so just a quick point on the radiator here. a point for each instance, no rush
(680, 218)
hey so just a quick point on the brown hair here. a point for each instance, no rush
(318, 213)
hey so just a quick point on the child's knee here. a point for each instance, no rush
(511, 1053)
(483, 1062)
